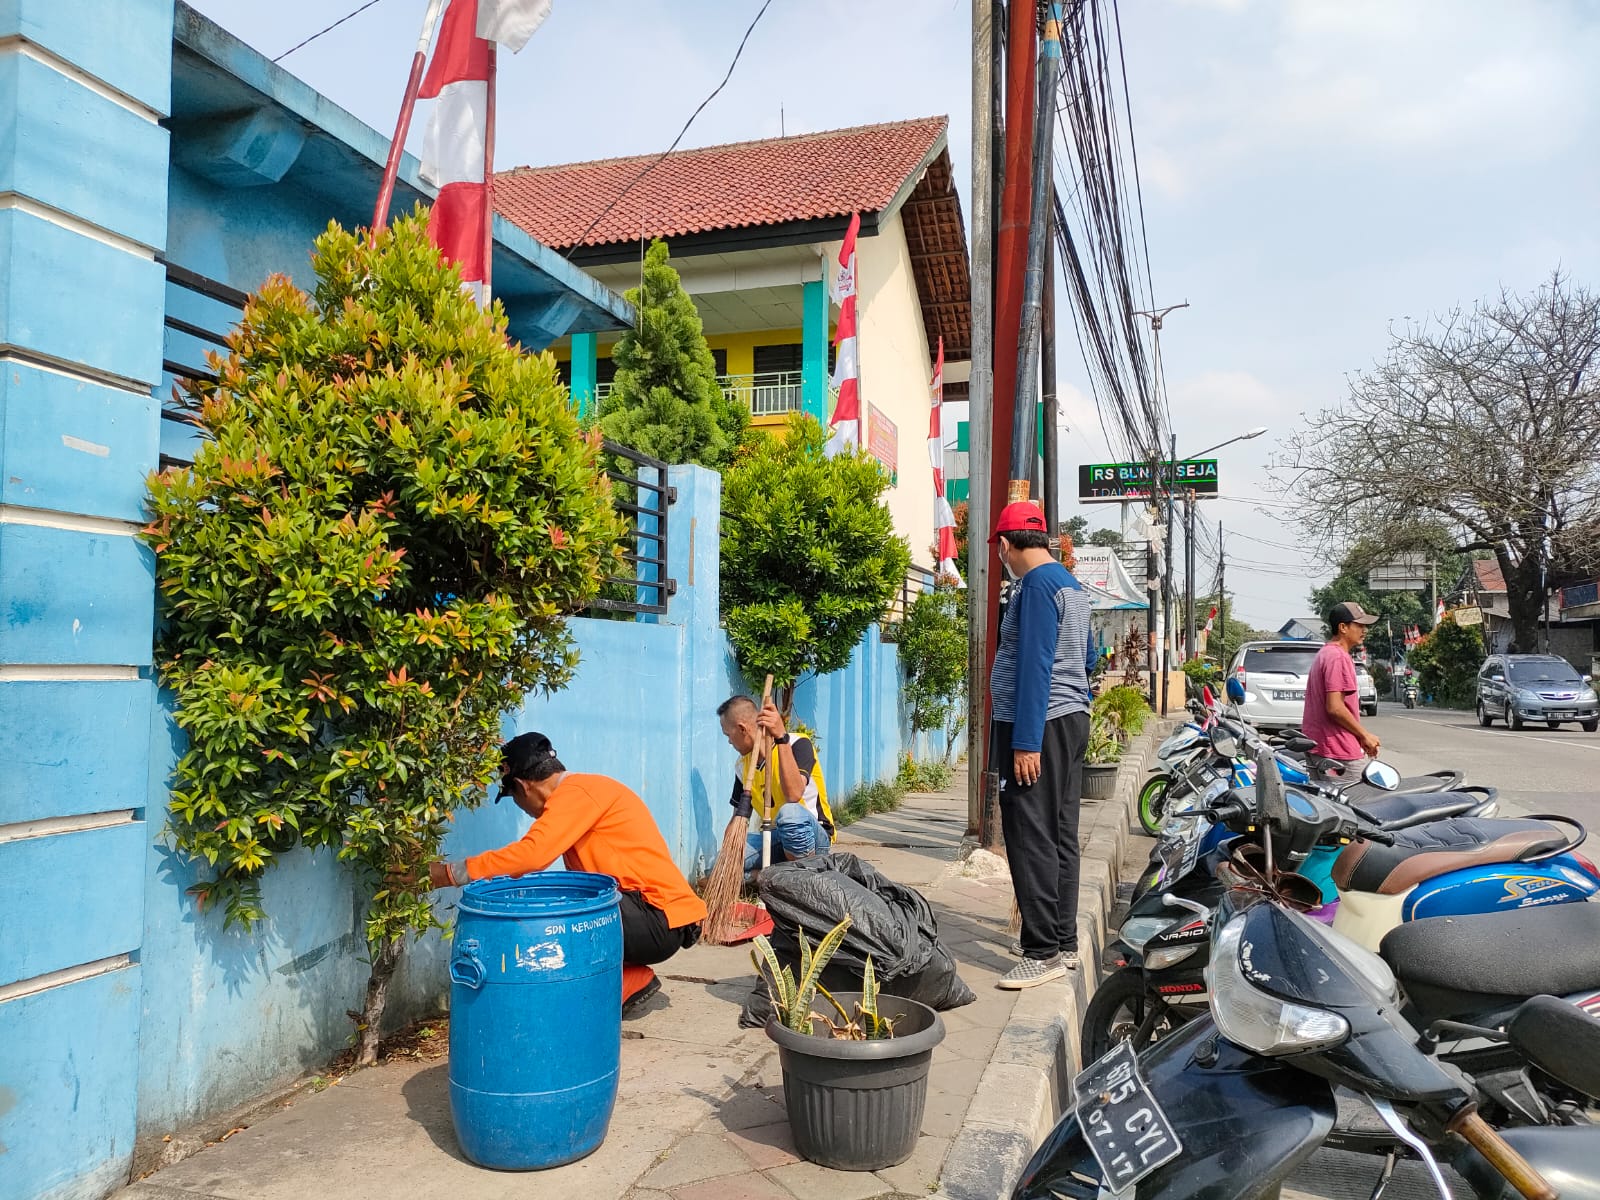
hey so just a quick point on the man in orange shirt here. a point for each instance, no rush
(594, 824)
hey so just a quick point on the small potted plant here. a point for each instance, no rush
(1102, 755)
(855, 1064)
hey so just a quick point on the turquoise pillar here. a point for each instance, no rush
(814, 350)
(81, 304)
(585, 370)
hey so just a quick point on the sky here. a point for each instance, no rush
(1314, 172)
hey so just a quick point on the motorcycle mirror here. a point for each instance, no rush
(1224, 742)
(1382, 775)
(1235, 690)
(1271, 803)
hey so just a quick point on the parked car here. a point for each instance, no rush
(1518, 688)
(1274, 677)
(1366, 691)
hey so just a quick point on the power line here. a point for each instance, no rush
(657, 161)
(326, 29)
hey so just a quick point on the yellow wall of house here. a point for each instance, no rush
(741, 347)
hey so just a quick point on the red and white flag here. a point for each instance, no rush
(1438, 614)
(944, 520)
(846, 421)
(460, 81)
(1205, 634)
(511, 22)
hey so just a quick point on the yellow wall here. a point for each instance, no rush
(741, 347)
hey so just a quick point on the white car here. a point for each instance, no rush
(1274, 677)
(1366, 691)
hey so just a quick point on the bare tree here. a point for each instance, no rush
(1486, 418)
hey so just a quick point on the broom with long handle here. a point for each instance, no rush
(727, 873)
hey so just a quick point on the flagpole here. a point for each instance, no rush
(391, 167)
(488, 175)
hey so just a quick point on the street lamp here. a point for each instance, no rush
(1243, 437)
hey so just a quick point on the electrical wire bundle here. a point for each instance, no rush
(1100, 232)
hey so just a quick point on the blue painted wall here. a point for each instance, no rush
(226, 1016)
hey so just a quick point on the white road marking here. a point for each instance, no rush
(1526, 737)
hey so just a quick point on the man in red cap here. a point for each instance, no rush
(1039, 687)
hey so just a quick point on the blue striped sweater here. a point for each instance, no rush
(1041, 668)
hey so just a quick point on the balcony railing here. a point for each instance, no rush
(770, 393)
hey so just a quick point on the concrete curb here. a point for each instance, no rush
(1024, 1089)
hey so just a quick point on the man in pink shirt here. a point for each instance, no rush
(1332, 703)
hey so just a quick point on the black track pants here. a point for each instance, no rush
(1041, 828)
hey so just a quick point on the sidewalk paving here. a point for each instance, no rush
(699, 1112)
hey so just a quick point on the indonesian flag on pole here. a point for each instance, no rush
(944, 520)
(846, 422)
(511, 22)
(453, 157)
(1205, 634)
(1438, 614)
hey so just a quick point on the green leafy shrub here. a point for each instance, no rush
(1447, 662)
(809, 555)
(369, 564)
(933, 654)
(1124, 705)
(924, 776)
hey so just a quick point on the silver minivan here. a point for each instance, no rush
(1274, 677)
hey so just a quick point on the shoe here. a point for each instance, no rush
(1016, 948)
(1031, 972)
(1069, 960)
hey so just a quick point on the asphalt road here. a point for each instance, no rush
(1537, 770)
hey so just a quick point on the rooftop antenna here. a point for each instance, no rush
(782, 131)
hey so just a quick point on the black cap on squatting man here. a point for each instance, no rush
(520, 756)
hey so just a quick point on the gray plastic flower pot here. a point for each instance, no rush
(1099, 781)
(857, 1106)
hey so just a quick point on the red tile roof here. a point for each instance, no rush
(773, 182)
(1489, 577)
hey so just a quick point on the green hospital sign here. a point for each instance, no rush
(1108, 483)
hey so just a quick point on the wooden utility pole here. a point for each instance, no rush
(980, 414)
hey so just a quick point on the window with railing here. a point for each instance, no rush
(765, 394)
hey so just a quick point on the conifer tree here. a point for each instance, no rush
(666, 401)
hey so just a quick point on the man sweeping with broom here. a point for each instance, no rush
(802, 824)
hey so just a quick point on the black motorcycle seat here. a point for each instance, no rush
(1561, 1040)
(1429, 850)
(1526, 952)
(1401, 809)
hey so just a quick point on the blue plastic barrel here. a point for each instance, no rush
(535, 1018)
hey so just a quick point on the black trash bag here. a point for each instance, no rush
(889, 921)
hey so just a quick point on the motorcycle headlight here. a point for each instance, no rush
(1252, 1019)
(1136, 931)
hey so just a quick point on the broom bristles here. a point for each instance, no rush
(725, 883)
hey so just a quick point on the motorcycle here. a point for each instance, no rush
(1482, 866)
(1409, 695)
(1299, 1019)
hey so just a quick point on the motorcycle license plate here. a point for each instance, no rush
(1288, 695)
(1126, 1130)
